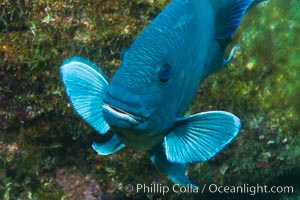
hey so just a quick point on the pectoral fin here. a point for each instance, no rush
(85, 85)
(176, 172)
(201, 136)
(110, 147)
(226, 61)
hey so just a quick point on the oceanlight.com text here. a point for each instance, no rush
(252, 190)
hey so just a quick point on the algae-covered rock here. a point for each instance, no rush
(44, 143)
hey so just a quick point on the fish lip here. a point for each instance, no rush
(123, 115)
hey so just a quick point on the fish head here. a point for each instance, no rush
(142, 95)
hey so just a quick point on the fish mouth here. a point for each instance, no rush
(122, 115)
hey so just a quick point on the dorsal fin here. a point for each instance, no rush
(228, 15)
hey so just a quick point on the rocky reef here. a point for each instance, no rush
(45, 148)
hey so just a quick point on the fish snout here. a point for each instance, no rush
(124, 109)
(116, 117)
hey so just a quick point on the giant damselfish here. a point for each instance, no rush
(146, 101)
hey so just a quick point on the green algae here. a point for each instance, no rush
(41, 134)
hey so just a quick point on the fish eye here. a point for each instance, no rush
(164, 73)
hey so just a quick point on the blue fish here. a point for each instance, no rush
(146, 100)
